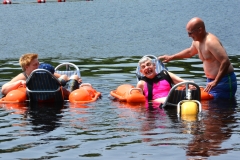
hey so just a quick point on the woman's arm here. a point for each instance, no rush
(175, 78)
(140, 84)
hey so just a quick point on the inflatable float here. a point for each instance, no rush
(15, 96)
(127, 93)
(85, 94)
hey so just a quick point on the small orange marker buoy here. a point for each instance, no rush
(41, 1)
(7, 2)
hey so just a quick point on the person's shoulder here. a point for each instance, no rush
(195, 44)
(141, 82)
(211, 37)
(20, 76)
(212, 40)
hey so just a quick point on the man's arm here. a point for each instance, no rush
(219, 53)
(186, 53)
(175, 78)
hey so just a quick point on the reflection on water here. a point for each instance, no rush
(44, 117)
(105, 128)
(215, 128)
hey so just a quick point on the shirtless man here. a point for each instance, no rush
(28, 62)
(221, 79)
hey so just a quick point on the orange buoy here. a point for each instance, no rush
(89, 88)
(85, 94)
(127, 93)
(61, 0)
(135, 95)
(7, 2)
(121, 92)
(15, 96)
(205, 95)
(41, 1)
(80, 94)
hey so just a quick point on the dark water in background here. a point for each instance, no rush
(105, 39)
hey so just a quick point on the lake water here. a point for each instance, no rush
(105, 39)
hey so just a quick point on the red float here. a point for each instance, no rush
(7, 2)
(61, 0)
(41, 1)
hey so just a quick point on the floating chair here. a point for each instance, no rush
(42, 86)
(159, 66)
(68, 69)
(176, 94)
(128, 93)
(86, 93)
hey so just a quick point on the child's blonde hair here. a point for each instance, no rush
(26, 59)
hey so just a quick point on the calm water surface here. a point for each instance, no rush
(105, 39)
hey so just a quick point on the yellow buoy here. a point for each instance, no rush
(189, 108)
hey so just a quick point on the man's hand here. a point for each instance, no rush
(165, 58)
(209, 86)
